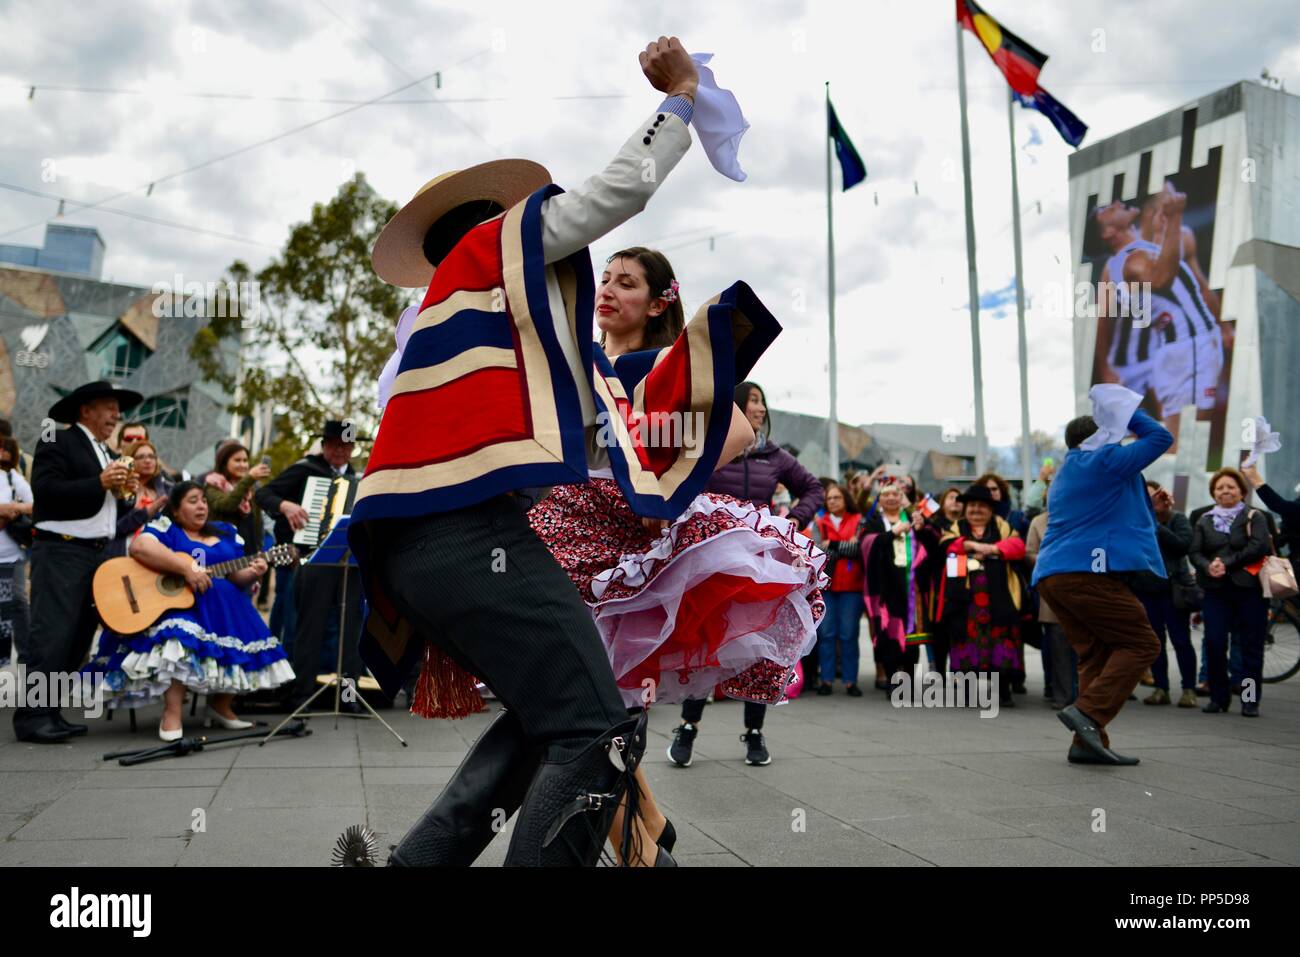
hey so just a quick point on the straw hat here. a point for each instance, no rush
(398, 256)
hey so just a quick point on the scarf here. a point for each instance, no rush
(219, 481)
(1224, 517)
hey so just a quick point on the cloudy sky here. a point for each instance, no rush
(559, 83)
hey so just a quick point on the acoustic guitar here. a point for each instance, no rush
(130, 596)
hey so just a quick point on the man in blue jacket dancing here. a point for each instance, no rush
(1102, 533)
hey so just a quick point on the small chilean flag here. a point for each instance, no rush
(1018, 61)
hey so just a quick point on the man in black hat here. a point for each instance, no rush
(74, 476)
(311, 593)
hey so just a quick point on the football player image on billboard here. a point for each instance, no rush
(1159, 330)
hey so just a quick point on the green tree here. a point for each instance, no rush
(323, 329)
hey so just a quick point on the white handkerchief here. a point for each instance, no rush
(1112, 408)
(718, 121)
(1265, 441)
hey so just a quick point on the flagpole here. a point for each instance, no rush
(976, 359)
(833, 428)
(1020, 302)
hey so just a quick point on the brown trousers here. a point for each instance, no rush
(1108, 629)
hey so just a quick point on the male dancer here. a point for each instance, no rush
(1102, 532)
(493, 397)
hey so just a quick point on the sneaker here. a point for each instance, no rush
(1160, 696)
(755, 752)
(1188, 700)
(679, 752)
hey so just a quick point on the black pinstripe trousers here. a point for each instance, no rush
(481, 585)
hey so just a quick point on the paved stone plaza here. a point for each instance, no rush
(871, 785)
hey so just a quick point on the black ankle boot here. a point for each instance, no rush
(490, 782)
(571, 802)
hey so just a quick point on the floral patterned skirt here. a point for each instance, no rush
(727, 594)
(982, 645)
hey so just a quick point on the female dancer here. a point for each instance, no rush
(724, 593)
(220, 647)
(753, 479)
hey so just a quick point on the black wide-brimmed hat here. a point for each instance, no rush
(68, 409)
(977, 493)
(334, 429)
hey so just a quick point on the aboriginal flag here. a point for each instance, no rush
(1018, 61)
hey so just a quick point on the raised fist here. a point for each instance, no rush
(668, 66)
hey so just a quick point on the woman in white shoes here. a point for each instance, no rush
(220, 647)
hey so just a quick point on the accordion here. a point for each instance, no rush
(326, 500)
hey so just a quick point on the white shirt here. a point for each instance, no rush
(13, 488)
(103, 524)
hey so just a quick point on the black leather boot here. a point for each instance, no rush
(485, 791)
(571, 803)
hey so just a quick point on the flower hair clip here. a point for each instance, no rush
(671, 293)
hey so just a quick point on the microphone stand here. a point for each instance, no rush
(197, 743)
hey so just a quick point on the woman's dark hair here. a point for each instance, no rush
(1078, 430)
(177, 495)
(10, 444)
(850, 506)
(1003, 487)
(662, 330)
(226, 453)
(741, 396)
(451, 227)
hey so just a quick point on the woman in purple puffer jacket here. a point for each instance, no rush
(753, 478)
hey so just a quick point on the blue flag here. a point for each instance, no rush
(852, 169)
(1071, 128)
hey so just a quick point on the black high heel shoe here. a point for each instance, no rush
(667, 837)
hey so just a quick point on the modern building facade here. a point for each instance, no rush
(72, 249)
(1235, 153)
(62, 328)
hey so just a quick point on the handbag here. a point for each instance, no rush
(1276, 577)
(20, 528)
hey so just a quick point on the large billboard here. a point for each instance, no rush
(1160, 331)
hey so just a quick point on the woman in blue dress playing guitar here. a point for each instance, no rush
(220, 647)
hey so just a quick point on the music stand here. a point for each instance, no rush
(334, 552)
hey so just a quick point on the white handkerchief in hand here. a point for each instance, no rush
(718, 121)
(1112, 408)
(1265, 441)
